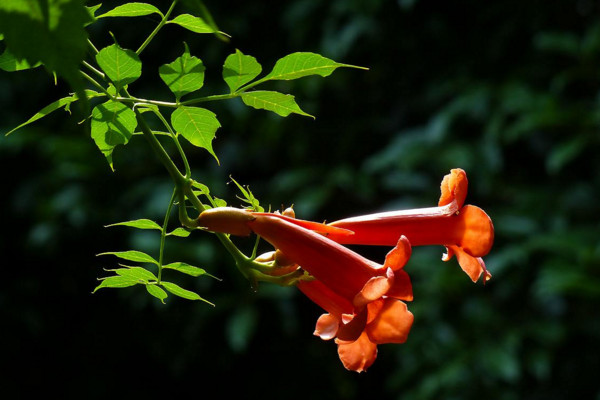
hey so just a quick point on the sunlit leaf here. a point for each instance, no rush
(298, 65)
(187, 269)
(51, 32)
(184, 75)
(279, 103)
(203, 188)
(138, 273)
(112, 124)
(184, 293)
(55, 105)
(179, 232)
(10, 63)
(132, 255)
(248, 196)
(138, 223)
(92, 9)
(194, 24)
(122, 66)
(157, 292)
(240, 69)
(116, 282)
(132, 10)
(197, 125)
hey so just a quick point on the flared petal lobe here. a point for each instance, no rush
(391, 324)
(454, 188)
(358, 355)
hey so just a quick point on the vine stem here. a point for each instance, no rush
(163, 235)
(158, 28)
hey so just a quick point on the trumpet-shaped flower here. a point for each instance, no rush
(465, 230)
(362, 298)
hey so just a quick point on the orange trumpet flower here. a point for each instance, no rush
(362, 298)
(465, 230)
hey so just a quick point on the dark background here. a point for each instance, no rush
(507, 90)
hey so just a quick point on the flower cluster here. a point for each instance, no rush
(365, 302)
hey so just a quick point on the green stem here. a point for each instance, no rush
(188, 172)
(94, 49)
(133, 99)
(161, 153)
(94, 70)
(163, 235)
(96, 84)
(209, 98)
(158, 28)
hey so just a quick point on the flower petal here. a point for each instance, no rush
(402, 287)
(374, 289)
(358, 355)
(352, 326)
(327, 326)
(473, 266)
(397, 258)
(392, 324)
(454, 188)
(477, 231)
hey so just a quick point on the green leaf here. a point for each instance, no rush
(138, 273)
(197, 125)
(132, 10)
(298, 65)
(112, 124)
(248, 196)
(116, 282)
(240, 69)
(51, 32)
(138, 223)
(179, 232)
(10, 63)
(279, 103)
(184, 75)
(188, 269)
(203, 188)
(157, 292)
(194, 24)
(186, 294)
(122, 66)
(58, 104)
(55, 105)
(132, 255)
(92, 9)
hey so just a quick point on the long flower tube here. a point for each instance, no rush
(465, 230)
(362, 298)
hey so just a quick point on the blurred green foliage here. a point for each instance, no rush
(508, 91)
